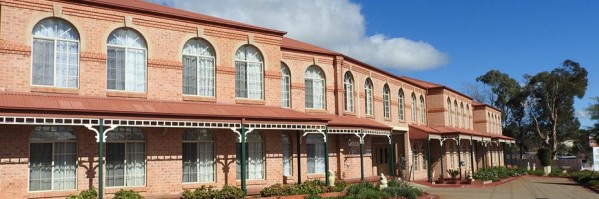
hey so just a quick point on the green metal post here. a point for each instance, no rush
(361, 155)
(471, 157)
(101, 159)
(391, 156)
(459, 157)
(299, 157)
(441, 162)
(326, 153)
(243, 161)
(428, 162)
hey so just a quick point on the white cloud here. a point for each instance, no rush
(583, 114)
(333, 24)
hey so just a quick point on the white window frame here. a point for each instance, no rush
(289, 170)
(126, 154)
(456, 118)
(53, 142)
(285, 86)
(55, 41)
(413, 109)
(348, 86)
(199, 142)
(320, 77)
(317, 142)
(128, 70)
(248, 152)
(449, 114)
(386, 102)
(416, 157)
(401, 105)
(422, 110)
(209, 49)
(247, 89)
(369, 98)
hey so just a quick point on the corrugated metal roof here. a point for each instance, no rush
(48, 103)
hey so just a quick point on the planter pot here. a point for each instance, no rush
(547, 170)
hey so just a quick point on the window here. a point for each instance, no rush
(316, 153)
(413, 108)
(368, 95)
(462, 121)
(455, 113)
(52, 159)
(126, 58)
(386, 101)
(422, 155)
(348, 85)
(287, 161)
(401, 105)
(198, 68)
(489, 127)
(125, 157)
(55, 54)
(198, 156)
(466, 154)
(255, 157)
(452, 155)
(422, 111)
(449, 111)
(285, 86)
(467, 116)
(315, 88)
(248, 72)
(415, 158)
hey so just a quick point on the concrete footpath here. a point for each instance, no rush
(528, 187)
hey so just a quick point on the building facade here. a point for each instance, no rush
(133, 95)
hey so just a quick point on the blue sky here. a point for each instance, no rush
(516, 37)
(446, 42)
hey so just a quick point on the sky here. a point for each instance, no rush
(446, 42)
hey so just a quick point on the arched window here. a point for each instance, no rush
(125, 158)
(52, 159)
(413, 108)
(401, 105)
(348, 85)
(467, 116)
(452, 155)
(126, 58)
(422, 111)
(198, 68)
(456, 118)
(315, 88)
(386, 101)
(315, 153)
(55, 54)
(287, 161)
(449, 112)
(285, 86)
(255, 157)
(369, 97)
(415, 156)
(463, 120)
(198, 156)
(249, 69)
(489, 126)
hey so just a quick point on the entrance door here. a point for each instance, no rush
(381, 159)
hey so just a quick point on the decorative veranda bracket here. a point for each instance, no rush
(90, 127)
(324, 137)
(236, 131)
(361, 137)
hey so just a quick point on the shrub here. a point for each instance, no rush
(453, 173)
(339, 185)
(394, 182)
(230, 192)
(405, 192)
(277, 190)
(90, 193)
(127, 194)
(544, 155)
(371, 193)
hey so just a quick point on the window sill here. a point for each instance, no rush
(198, 98)
(52, 194)
(349, 113)
(49, 89)
(388, 119)
(252, 182)
(195, 185)
(316, 110)
(126, 94)
(370, 116)
(250, 101)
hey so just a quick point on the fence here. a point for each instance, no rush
(523, 163)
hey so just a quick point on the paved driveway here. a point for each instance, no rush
(524, 188)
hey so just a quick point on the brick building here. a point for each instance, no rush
(173, 100)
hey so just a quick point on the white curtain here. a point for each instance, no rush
(52, 159)
(255, 157)
(285, 86)
(136, 165)
(55, 54)
(254, 73)
(126, 58)
(65, 157)
(206, 76)
(315, 153)
(198, 64)
(386, 102)
(401, 105)
(349, 92)
(368, 91)
(248, 72)
(314, 83)
(206, 164)
(286, 156)
(125, 158)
